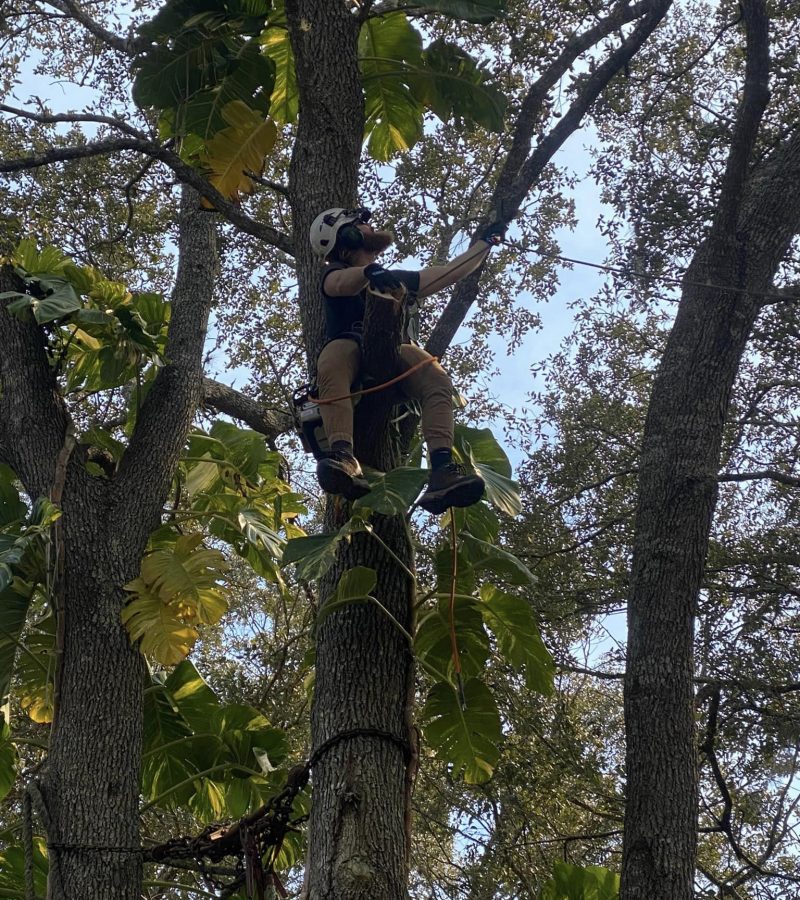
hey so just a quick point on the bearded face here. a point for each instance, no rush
(377, 241)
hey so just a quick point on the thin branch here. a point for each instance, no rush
(186, 173)
(54, 118)
(765, 474)
(127, 46)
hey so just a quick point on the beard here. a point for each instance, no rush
(377, 241)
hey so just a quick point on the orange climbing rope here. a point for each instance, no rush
(379, 387)
(452, 615)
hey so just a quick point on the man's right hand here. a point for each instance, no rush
(381, 279)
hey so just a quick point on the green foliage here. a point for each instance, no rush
(469, 737)
(177, 589)
(104, 335)
(355, 586)
(575, 883)
(12, 870)
(479, 448)
(8, 758)
(221, 761)
(392, 493)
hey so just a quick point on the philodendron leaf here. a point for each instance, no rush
(355, 586)
(12, 509)
(479, 447)
(238, 149)
(576, 883)
(393, 492)
(167, 748)
(466, 738)
(8, 758)
(278, 47)
(387, 46)
(432, 641)
(315, 554)
(14, 606)
(191, 694)
(511, 620)
(484, 556)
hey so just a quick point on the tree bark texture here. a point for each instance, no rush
(358, 828)
(90, 786)
(758, 214)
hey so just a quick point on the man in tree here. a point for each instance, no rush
(350, 246)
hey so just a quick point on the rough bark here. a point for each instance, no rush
(90, 787)
(758, 214)
(358, 845)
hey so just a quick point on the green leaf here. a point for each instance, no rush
(575, 883)
(387, 46)
(167, 748)
(315, 554)
(453, 86)
(168, 75)
(484, 556)
(466, 738)
(479, 447)
(278, 47)
(8, 759)
(393, 492)
(192, 696)
(12, 509)
(49, 260)
(165, 636)
(249, 739)
(480, 12)
(12, 870)
(249, 78)
(239, 148)
(511, 620)
(432, 641)
(14, 605)
(479, 520)
(61, 301)
(355, 586)
(34, 674)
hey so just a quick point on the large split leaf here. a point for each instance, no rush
(177, 589)
(278, 47)
(249, 78)
(167, 749)
(387, 47)
(479, 447)
(15, 601)
(192, 695)
(170, 74)
(238, 149)
(34, 671)
(393, 492)
(511, 621)
(432, 642)
(8, 758)
(316, 554)
(467, 738)
(486, 557)
(575, 883)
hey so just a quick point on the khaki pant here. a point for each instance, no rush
(337, 368)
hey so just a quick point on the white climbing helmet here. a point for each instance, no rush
(327, 225)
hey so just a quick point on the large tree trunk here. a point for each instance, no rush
(90, 787)
(758, 214)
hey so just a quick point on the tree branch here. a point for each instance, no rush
(127, 46)
(53, 118)
(754, 101)
(516, 178)
(771, 474)
(148, 464)
(184, 172)
(33, 419)
(233, 403)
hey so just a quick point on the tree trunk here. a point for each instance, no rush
(757, 217)
(91, 786)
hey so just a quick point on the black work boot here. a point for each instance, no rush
(449, 486)
(340, 473)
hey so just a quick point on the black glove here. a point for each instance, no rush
(493, 233)
(381, 279)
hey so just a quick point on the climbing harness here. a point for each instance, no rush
(307, 416)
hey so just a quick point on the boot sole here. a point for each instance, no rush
(459, 496)
(334, 481)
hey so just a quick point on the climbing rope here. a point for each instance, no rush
(380, 387)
